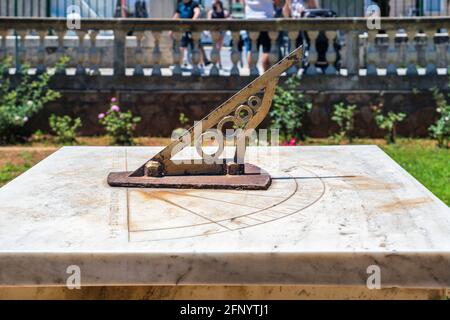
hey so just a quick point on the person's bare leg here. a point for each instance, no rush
(265, 61)
(202, 55)
(249, 58)
(219, 48)
(182, 50)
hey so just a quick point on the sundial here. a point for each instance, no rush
(244, 111)
(330, 213)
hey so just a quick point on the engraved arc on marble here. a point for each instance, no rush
(176, 214)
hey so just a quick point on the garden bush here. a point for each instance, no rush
(344, 116)
(65, 128)
(289, 111)
(18, 103)
(388, 122)
(119, 125)
(440, 130)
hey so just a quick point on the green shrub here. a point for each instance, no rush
(65, 128)
(184, 121)
(440, 130)
(289, 111)
(344, 116)
(388, 122)
(20, 103)
(119, 125)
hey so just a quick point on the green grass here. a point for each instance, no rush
(10, 170)
(427, 163)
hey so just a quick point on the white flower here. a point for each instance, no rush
(30, 103)
(25, 119)
(17, 118)
(446, 118)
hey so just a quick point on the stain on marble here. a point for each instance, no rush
(367, 183)
(405, 204)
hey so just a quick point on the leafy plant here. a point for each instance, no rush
(178, 132)
(183, 119)
(344, 116)
(65, 128)
(289, 110)
(38, 136)
(119, 125)
(440, 130)
(388, 122)
(19, 103)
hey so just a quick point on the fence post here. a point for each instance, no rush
(119, 64)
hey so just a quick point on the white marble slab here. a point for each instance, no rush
(330, 213)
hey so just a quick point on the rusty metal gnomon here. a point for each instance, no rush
(245, 111)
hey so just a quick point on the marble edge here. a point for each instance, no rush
(170, 253)
(409, 271)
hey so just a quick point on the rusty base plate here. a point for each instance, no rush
(254, 178)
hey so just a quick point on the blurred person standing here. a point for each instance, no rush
(259, 9)
(305, 8)
(237, 10)
(131, 9)
(121, 10)
(295, 9)
(187, 9)
(218, 12)
(278, 8)
(140, 9)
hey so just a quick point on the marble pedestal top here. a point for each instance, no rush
(330, 213)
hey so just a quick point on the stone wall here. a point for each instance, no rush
(159, 104)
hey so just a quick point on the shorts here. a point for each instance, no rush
(263, 40)
(187, 40)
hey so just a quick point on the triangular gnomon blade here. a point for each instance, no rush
(246, 99)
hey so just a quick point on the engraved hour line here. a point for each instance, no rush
(218, 232)
(263, 212)
(260, 211)
(192, 212)
(218, 200)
